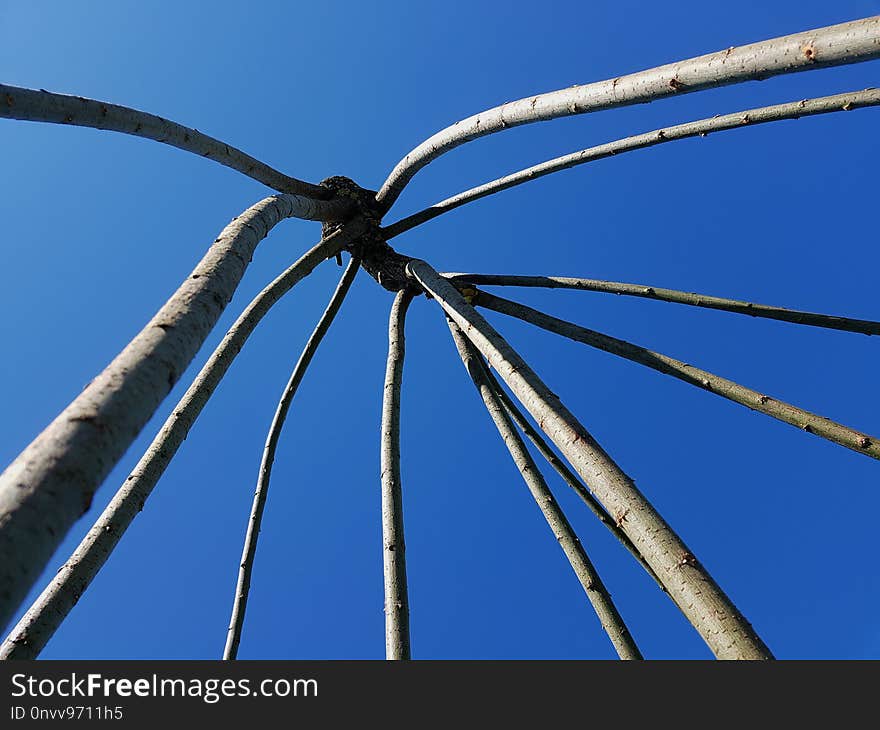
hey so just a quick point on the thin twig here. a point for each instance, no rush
(569, 477)
(42, 619)
(397, 639)
(863, 326)
(242, 588)
(851, 42)
(780, 410)
(688, 583)
(44, 106)
(611, 620)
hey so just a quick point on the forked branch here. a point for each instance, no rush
(397, 637)
(45, 106)
(51, 607)
(703, 127)
(610, 618)
(249, 552)
(692, 588)
(864, 326)
(780, 410)
(851, 42)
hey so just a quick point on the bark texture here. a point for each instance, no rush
(397, 638)
(42, 619)
(858, 40)
(847, 324)
(44, 106)
(703, 127)
(693, 589)
(569, 477)
(610, 618)
(780, 410)
(378, 259)
(249, 552)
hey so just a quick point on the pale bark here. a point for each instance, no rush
(44, 106)
(55, 602)
(569, 477)
(702, 601)
(609, 617)
(863, 326)
(703, 127)
(851, 42)
(780, 410)
(242, 588)
(397, 638)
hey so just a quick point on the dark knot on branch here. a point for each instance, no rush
(364, 200)
(378, 259)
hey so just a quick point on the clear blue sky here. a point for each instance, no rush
(100, 228)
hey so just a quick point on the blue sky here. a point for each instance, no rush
(100, 228)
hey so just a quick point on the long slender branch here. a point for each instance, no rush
(692, 588)
(858, 40)
(750, 117)
(242, 588)
(397, 638)
(567, 475)
(51, 483)
(611, 620)
(42, 619)
(780, 410)
(45, 106)
(864, 326)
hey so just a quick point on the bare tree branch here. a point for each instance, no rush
(397, 638)
(864, 326)
(693, 589)
(611, 620)
(858, 40)
(793, 110)
(45, 106)
(42, 619)
(242, 588)
(567, 475)
(780, 410)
